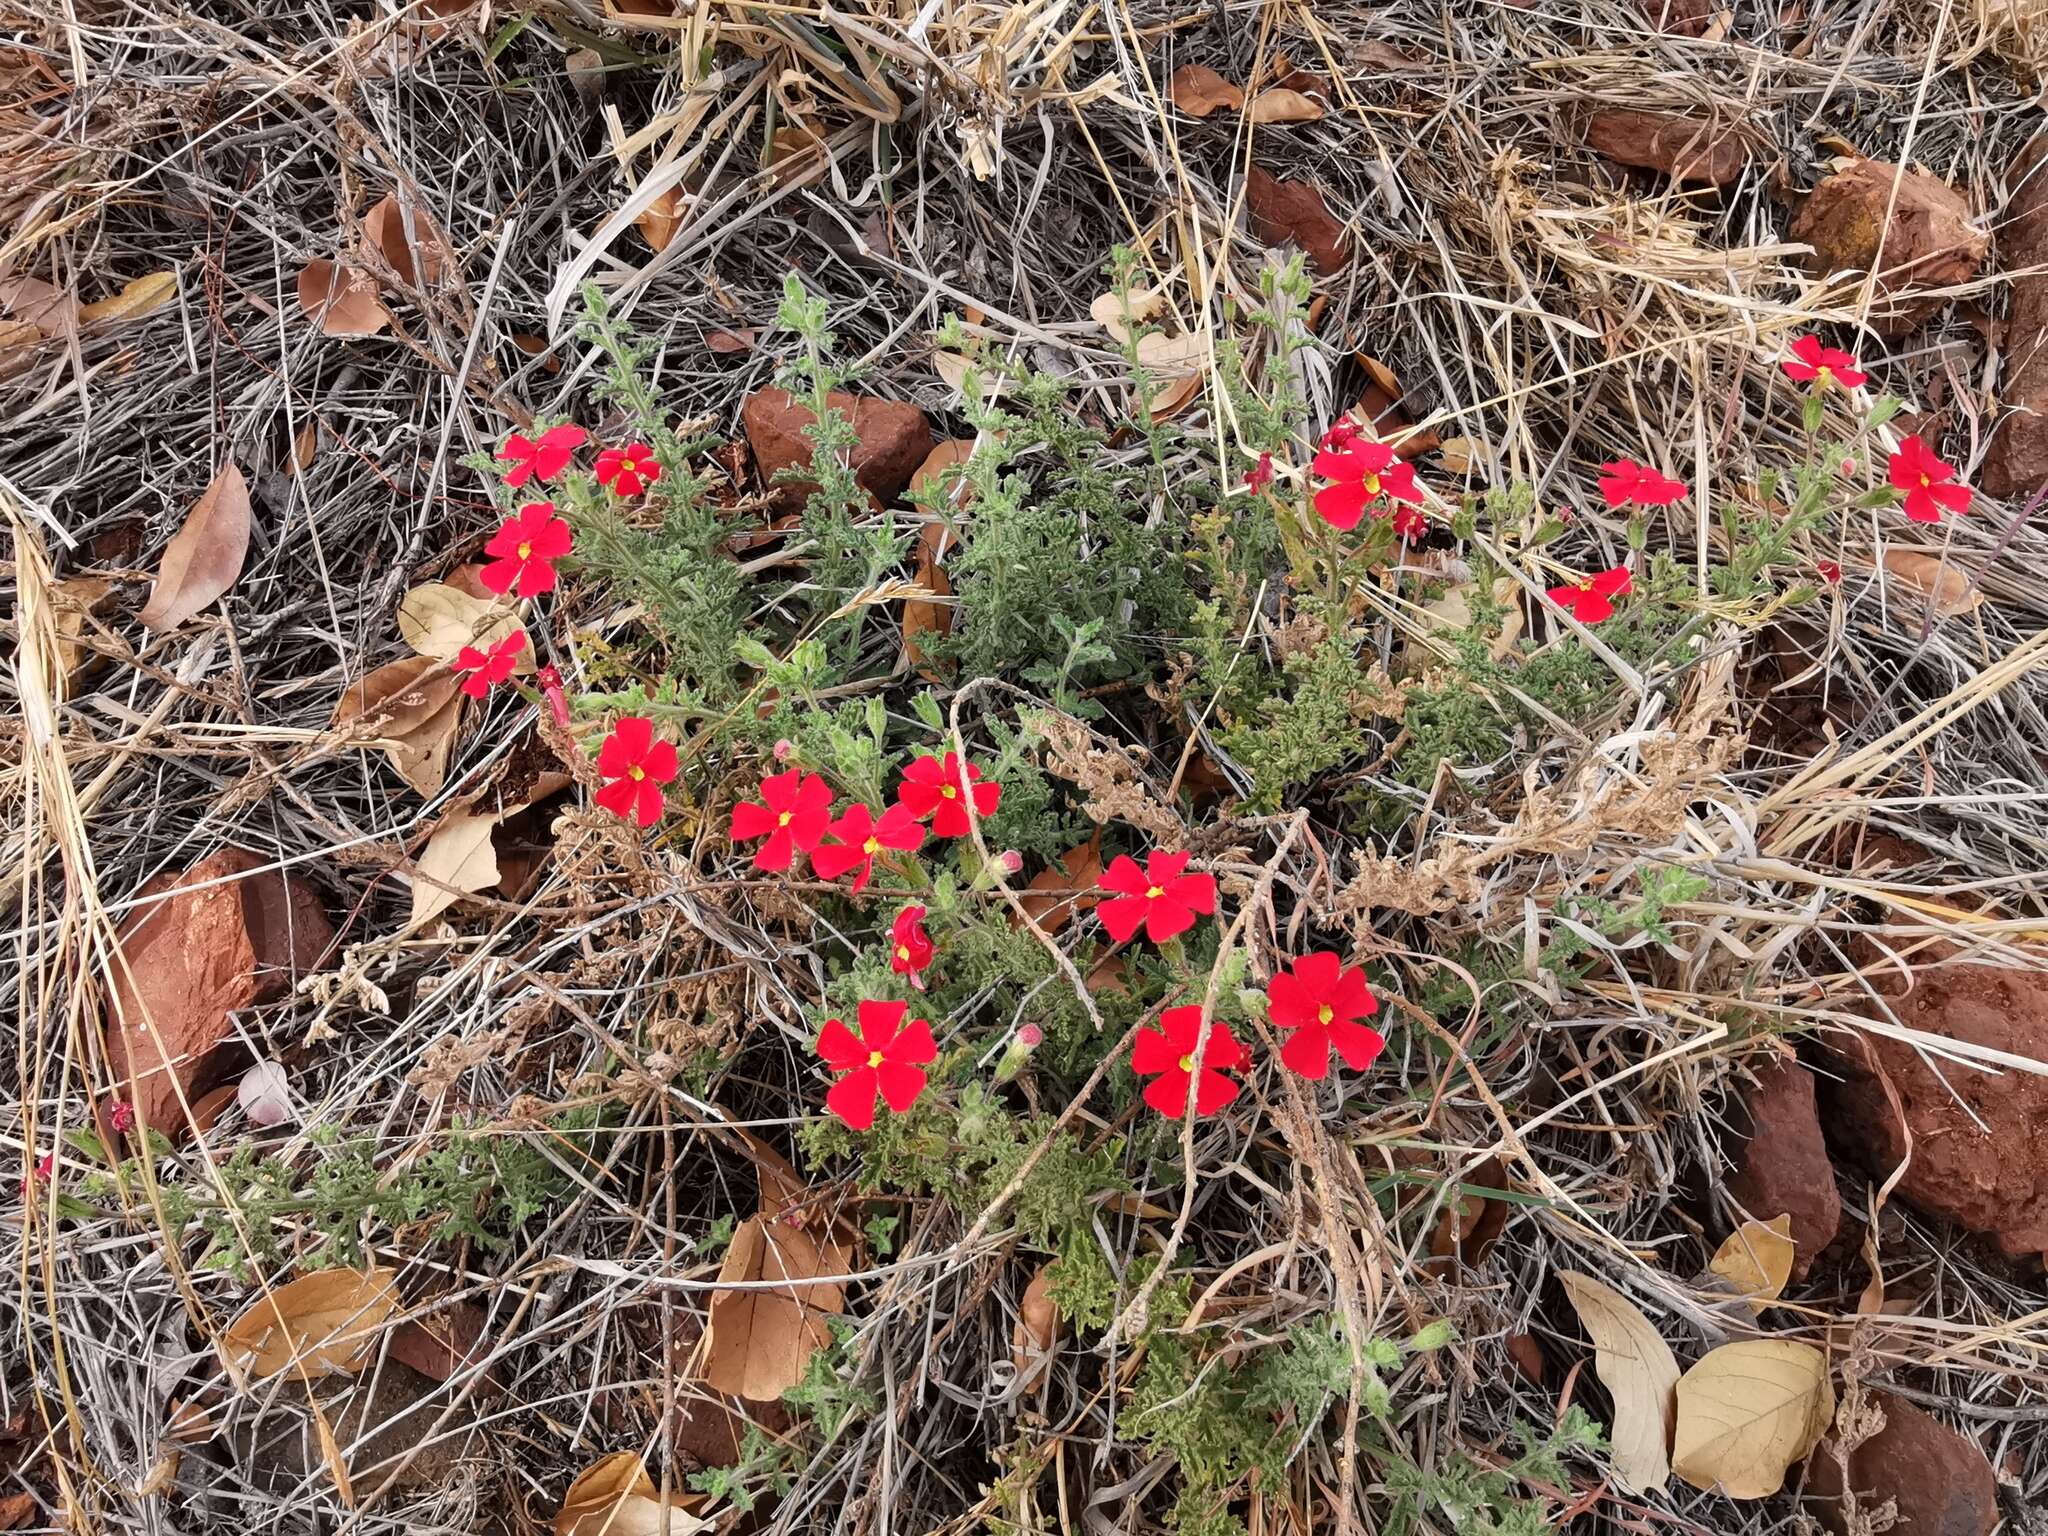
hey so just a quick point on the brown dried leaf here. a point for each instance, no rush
(1278, 104)
(1198, 90)
(1038, 1325)
(1683, 148)
(660, 219)
(1943, 581)
(758, 1342)
(1640, 1374)
(1117, 313)
(74, 600)
(144, 296)
(1757, 1260)
(438, 619)
(415, 707)
(343, 300)
(1056, 896)
(461, 856)
(417, 259)
(732, 343)
(1294, 210)
(1747, 1412)
(614, 1496)
(205, 556)
(1174, 397)
(1380, 408)
(45, 308)
(321, 1324)
(442, 1343)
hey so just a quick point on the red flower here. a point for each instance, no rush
(1169, 1051)
(857, 837)
(1817, 364)
(1322, 1002)
(910, 947)
(628, 470)
(546, 458)
(1162, 898)
(121, 1115)
(1261, 475)
(1363, 473)
(1592, 600)
(550, 682)
(935, 789)
(794, 811)
(486, 669)
(527, 547)
(1625, 482)
(1830, 571)
(882, 1063)
(44, 1171)
(1342, 434)
(1410, 524)
(638, 766)
(1915, 470)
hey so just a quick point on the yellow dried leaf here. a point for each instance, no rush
(1747, 1412)
(1176, 355)
(1277, 104)
(1117, 313)
(205, 555)
(143, 296)
(1757, 1260)
(1640, 1374)
(438, 620)
(322, 1324)
(614, 1496)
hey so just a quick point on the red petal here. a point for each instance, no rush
(1124, 877)
(1359, 1044)
(617, 797)
(750, 821)
(853, 1098)
(1307, 1054)
(1122, 915)
(1290, 1003)
(900, 1084)
(1152, 1052)
(913, 1045)
(660, 762)
(1166, 920)
(651, 803)
(1213, 1090)
(1168, 1093)
(839, 1046)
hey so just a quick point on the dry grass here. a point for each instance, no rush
(1535, 301)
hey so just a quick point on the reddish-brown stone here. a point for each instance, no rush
(188, 960)
(1783, 1168)
(2016, 464)
(894, 439)
(1683, 148)
(1927, 241)
(1979, 1137)
(1939, 1480)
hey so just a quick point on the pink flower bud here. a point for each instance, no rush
(783, 748)
(1030, 1036)
(121, 1115)
(1848, 466)
(1011, 860)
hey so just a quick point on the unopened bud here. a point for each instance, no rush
(1031, 1037)
(783, 748)
(1011, 860)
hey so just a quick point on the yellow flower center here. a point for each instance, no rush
(1371, 484)
(782, 820)
(1585, 589)
(1926, 482)
(871, 847)
(1823, 375)
(951, 792)
(1153, 893)
(874, 1058)
(526, 551)
(902, 951)
(636, 772)
(1325, 1013)
(1187, 1063)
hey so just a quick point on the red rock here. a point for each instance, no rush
(2017, 460)
(189, 961)
(1992, 1179)
(1940, 1480)
(1928, 241)
(1683, 148)
(1783, 1168)
(895, 439)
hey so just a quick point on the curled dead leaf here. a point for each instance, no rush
(322, 1324)
(1038, 1325)
(614, 1496)
(760, 1339)
(1278, 104)
(732, 343)
(205, 556)
(1117, 313)
(1640, 1374)
(1747, 1411)
(1283, 211)
(144, 296)
(411, 245)
(661, 218)
(341, 300)
(1938, 578)
(1198, 91)
(438, 619)
(1056, 896)
(412, 709)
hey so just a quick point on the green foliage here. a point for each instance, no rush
(1480, 1500)
(1306, 725)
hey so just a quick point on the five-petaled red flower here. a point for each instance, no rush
(486, 669)
(637, 766)
(934, 788)
(856, 837)
(1322, 1001)
(884, 1063)
(1162, 897)
(1815, 364)
(1361, 474)
(1916, 470)
(526, 550)
(1830, 571)
(1592, 600)
(1624, 483)
(628, 470)
(542, 458)
(910, 947)
(1169, 1051)
(794, 810)
(1261, 475)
